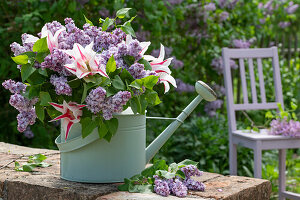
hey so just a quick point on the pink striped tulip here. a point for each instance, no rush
(52, 41)
(84, 62)
(71, 113)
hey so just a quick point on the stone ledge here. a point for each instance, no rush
(45, 183)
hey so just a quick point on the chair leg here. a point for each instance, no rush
(257, 160)
(233, 158)
(282, 169)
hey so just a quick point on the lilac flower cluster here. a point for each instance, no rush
(218, 66)
(291, 8)
(241, 44)
(61, 85)
(211, 107)
(210, 7)
(137, 71)
(177, 186)
(27, 45)
(184, 87)
(56, 62)
(285, 128)
(224, 15)
(28, 133)
(227, 3)
(97, 101)
(27, 115)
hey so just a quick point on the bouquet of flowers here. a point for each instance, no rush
(85, 75)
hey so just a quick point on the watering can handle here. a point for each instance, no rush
(206, 93)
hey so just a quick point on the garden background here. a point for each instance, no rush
(194, 33)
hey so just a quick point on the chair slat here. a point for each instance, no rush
(252, 80)
(243, 78)
(261, 81)
(249, 53)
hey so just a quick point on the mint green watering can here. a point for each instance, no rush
(93, 160)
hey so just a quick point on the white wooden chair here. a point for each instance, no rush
(256, 141)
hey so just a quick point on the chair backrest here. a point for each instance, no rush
(250, 55)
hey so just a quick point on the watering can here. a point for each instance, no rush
(93, 160)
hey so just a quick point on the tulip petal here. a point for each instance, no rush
(144, 46)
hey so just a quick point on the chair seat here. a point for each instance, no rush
(261, 135)
(249, 139)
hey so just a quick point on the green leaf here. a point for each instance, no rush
(122, 12)
(107, 23)
(173, 167)
(255, 129)
(293, 106)
(188, 162)
(147, 188)
(40, 113)
(28, 167)
(20, 59)
(38, 158)
(136, 84)
(150, 81)
(135, 105)
(102, 130)
(40, 57)
(118, 83)
(34, 91)
(125, 186)
(165, 174)
(111, 91)
(88, 21)
(26, 71)
(40, 45)
(125, 75)
(43, 165)
(75, 83)
(269, 115)
(43, 72)
(112, 125)
(101, 20)
(111, 65)
(126, 27)
(146, 64)
(88, 125)
(17, 166)
(144, 104)
(129, 60)
(84, 93)
(280, 107)
(45, 98)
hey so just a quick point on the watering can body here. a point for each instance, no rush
(93, 160)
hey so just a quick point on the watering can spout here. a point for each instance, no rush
(204, 92)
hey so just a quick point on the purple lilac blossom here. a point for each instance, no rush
(211, 107)
(28, 133)
(218, 66)
(292, 8)
(184, 87)
(279, 127)
(161, 187)
(95, 99)
(284, 24)
(191, 170)
(220, 90)
(224, 15)
(56, 62)
(26, 118)
(241, 44)
(294, 128)
(104, 12)
(177, 64)
(179, 189)
(61, 85)
(142, 35)
(137, 71)
(222, 3)
(14, 87)
(191, 184)
(232, 4)
(114, 104)
(210, 7)
(21, 103)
